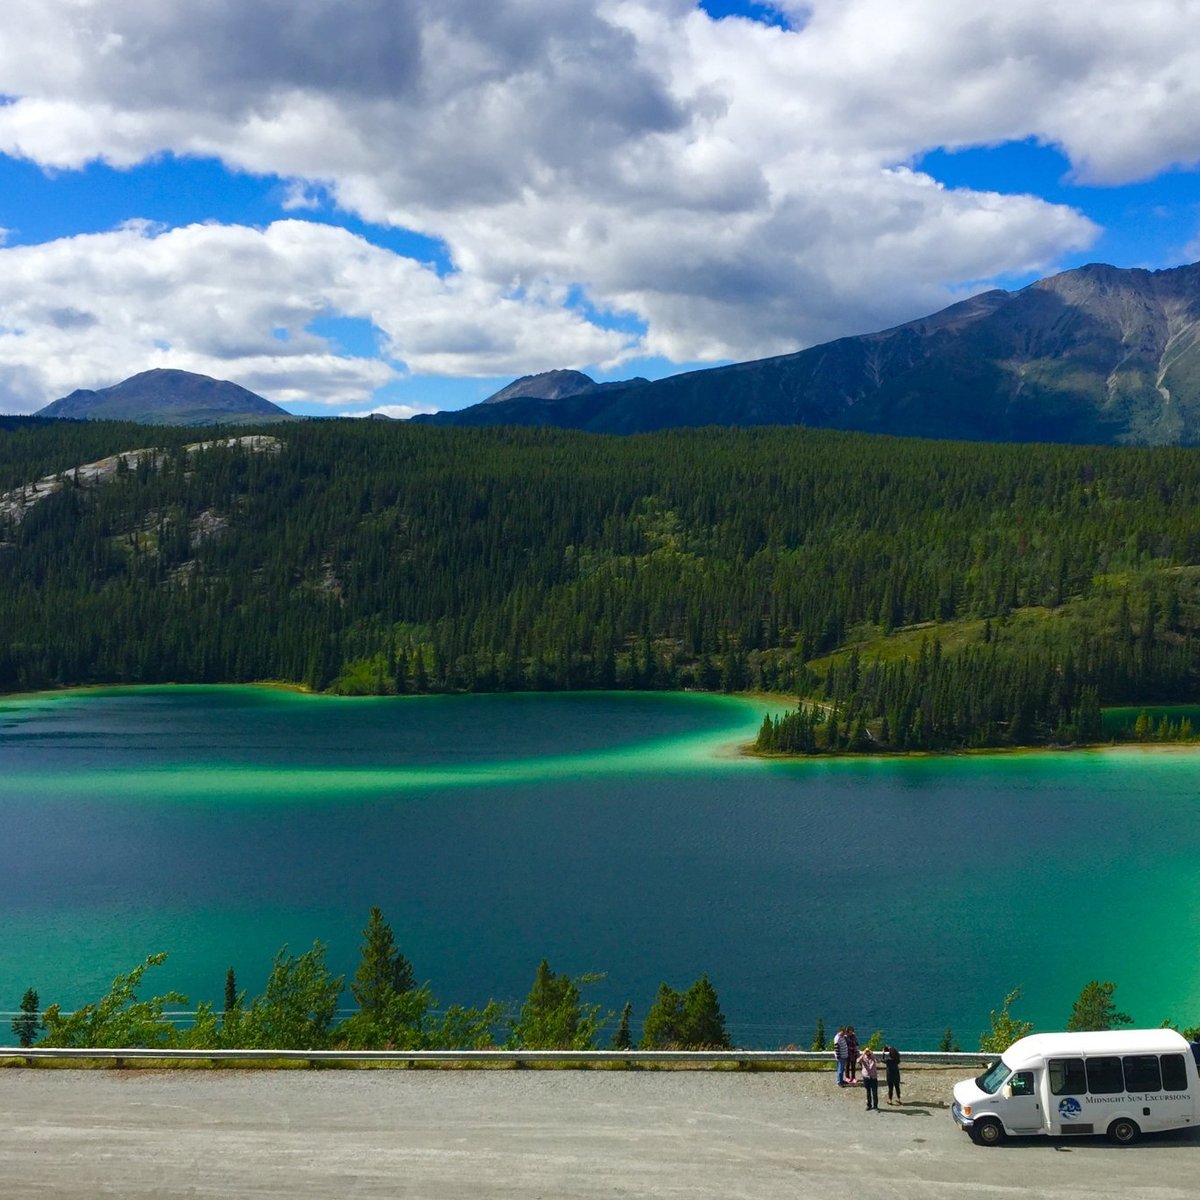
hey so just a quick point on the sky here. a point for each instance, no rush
(398, 206)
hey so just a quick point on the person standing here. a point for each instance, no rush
(839, 1053)
(870, 1077)
(851, 1054)
(891, 1063)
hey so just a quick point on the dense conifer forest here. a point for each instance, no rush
(914, 594)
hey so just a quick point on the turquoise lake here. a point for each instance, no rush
(608, 833)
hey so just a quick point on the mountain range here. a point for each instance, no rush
(167, 397)
(1099, 354)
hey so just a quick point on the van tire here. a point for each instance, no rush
(989, 1132)
(1123, 1131)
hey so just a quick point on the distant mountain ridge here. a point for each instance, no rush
(168, 397)
(554, 385)
(549, 385)
(1099, 354)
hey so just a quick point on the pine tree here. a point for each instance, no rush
(1095, 1009)
(552, 1017)
(704, 1023)
(25, 1027)
(231, 999)
(623, 1039)
(664, 1024)
(383, 972)
(766, 734)
(819, 1041)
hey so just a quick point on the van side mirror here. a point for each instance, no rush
(1006, 1091)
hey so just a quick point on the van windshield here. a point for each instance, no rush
(993, 1078)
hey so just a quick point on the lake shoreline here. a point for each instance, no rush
(724, 750)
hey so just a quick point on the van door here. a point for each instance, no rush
(1171, 1107)
(1023, 1110)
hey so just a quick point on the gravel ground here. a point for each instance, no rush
(533, 1133)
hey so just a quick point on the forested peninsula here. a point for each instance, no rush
(911, 594)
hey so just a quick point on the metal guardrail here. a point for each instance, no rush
(581, 1058)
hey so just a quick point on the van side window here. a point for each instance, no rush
(1141, 1073)
(1022, 1083)
(1067, 1077)
(1174, 1073)
(1104, 1075)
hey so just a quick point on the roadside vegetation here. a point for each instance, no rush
(300, 1010)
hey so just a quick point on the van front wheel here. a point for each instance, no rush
(989, 1132)
(1123, 1131)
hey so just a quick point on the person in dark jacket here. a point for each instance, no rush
(891, 1062)
(839, 1052)
(851, 1054)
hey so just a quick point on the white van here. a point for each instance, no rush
(1121, 1082)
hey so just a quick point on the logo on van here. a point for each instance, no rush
(1069, 1108)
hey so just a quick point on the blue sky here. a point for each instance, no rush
(401, 205)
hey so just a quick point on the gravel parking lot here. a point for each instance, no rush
(532, 1133)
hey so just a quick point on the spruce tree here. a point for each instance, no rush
(1095, 1009)
(704, 1023)
(552, 1017)
(383, 972)
(664, 1024)
(25, 1027)
(623, 1039)
(230, 991)
(819, 1041)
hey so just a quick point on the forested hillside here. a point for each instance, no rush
(919, 593)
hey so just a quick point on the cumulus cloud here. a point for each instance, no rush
(738, 189)
(241, 303)
(397, 412)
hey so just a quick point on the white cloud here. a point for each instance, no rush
(398, 412)
(238, 303)
(740, 189)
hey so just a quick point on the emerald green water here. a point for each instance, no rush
(613, 833)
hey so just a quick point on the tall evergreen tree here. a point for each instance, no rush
(623, 1038)
(704, 1023)
(25, 1027)
(664, 1026)
(383, 972)
(1096, 1009)
(553, 1016)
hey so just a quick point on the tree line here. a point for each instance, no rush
(372, 558)
(299, 1009)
